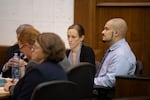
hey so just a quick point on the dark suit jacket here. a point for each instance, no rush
(37, 74)
(86, 55)
(10, 53)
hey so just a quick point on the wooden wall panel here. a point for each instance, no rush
(146, 45)
(135, 34)
(84, 13)
(122, 1)
(3, 51)
(94, 13)
(138, 34)
(129, 86)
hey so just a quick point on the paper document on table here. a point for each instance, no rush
(1, 88)
(3, 92)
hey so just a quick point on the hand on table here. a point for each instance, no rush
(10, 83)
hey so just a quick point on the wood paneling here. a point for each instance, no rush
(135, 35)
(84, 13)
(122, 1)
(132, 86)
(126, 4)
(93, 14)
(3, 50)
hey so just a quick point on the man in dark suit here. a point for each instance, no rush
(6, 72)
(6, 69)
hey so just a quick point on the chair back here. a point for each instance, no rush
(56, 90)
(139, 68)
(83, 74)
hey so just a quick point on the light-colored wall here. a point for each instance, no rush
(45, 15)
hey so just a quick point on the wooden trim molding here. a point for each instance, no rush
(135, 4)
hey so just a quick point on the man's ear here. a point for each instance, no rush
(117, 33)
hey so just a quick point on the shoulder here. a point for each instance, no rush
(86, 48)
(46, 66)
(14, 48)
(48, 70)
(68, 50)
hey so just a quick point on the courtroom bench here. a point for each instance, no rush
(132, 86)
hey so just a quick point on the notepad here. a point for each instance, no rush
(2, 82)
(1, 88)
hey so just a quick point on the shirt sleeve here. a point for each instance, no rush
(108, 79)
(117, 65)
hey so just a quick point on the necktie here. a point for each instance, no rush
(101, 63)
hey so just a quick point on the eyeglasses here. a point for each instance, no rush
(35, 47)
(22, 47)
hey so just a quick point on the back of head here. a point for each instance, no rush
(21, 27)
(52, 45)
(119, 25)
(28, 35)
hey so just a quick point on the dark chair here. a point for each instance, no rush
(139, 68)
(56, 90)
(83, 74)
(103, 93)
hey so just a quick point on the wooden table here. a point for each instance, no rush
(134, 98)
(4, 95)
(132, 86)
